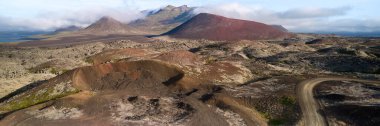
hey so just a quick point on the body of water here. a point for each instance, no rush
(16, 36)
(354, 34)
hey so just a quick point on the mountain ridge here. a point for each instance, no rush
(109, 25)
(164, 19)
(215, 27)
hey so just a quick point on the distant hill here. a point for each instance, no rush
(163, 20)
(214, 27)
(67, 29)
(109, 25)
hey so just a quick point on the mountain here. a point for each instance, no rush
(163, 20)
(214, 27)
(109, 25)
(68, 29)
(280, 27)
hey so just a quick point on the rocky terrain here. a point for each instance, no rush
(350, 102)
(197, 80)
(211, 70)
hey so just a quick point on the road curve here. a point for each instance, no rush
(309, 106)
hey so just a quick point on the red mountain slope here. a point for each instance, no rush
(214, 27)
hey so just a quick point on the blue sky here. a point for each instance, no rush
(296, 15)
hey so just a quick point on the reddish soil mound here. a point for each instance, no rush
(214, 27)
(131, 93)
(149, 77)
(123, 93)
(133, 76)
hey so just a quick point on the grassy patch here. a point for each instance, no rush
(89, 60)
(273, 121)
(36, 97)
(64, 70)
(276, 122)
(210, 60)
(265, 115)
(279, 110)
(54, 71)
(288, 100)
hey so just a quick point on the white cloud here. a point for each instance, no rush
(232, 10)
(57, 19)
(314, 12)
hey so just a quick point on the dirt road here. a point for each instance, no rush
(309, 106)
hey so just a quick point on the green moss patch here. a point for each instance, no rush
(288, 100)
(89, 60)
(40, 96)
(276, 122)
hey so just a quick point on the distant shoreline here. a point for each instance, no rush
(349, 34)
(15, 37)
(19, 36)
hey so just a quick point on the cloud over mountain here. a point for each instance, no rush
(298, 17)
(58, 19)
